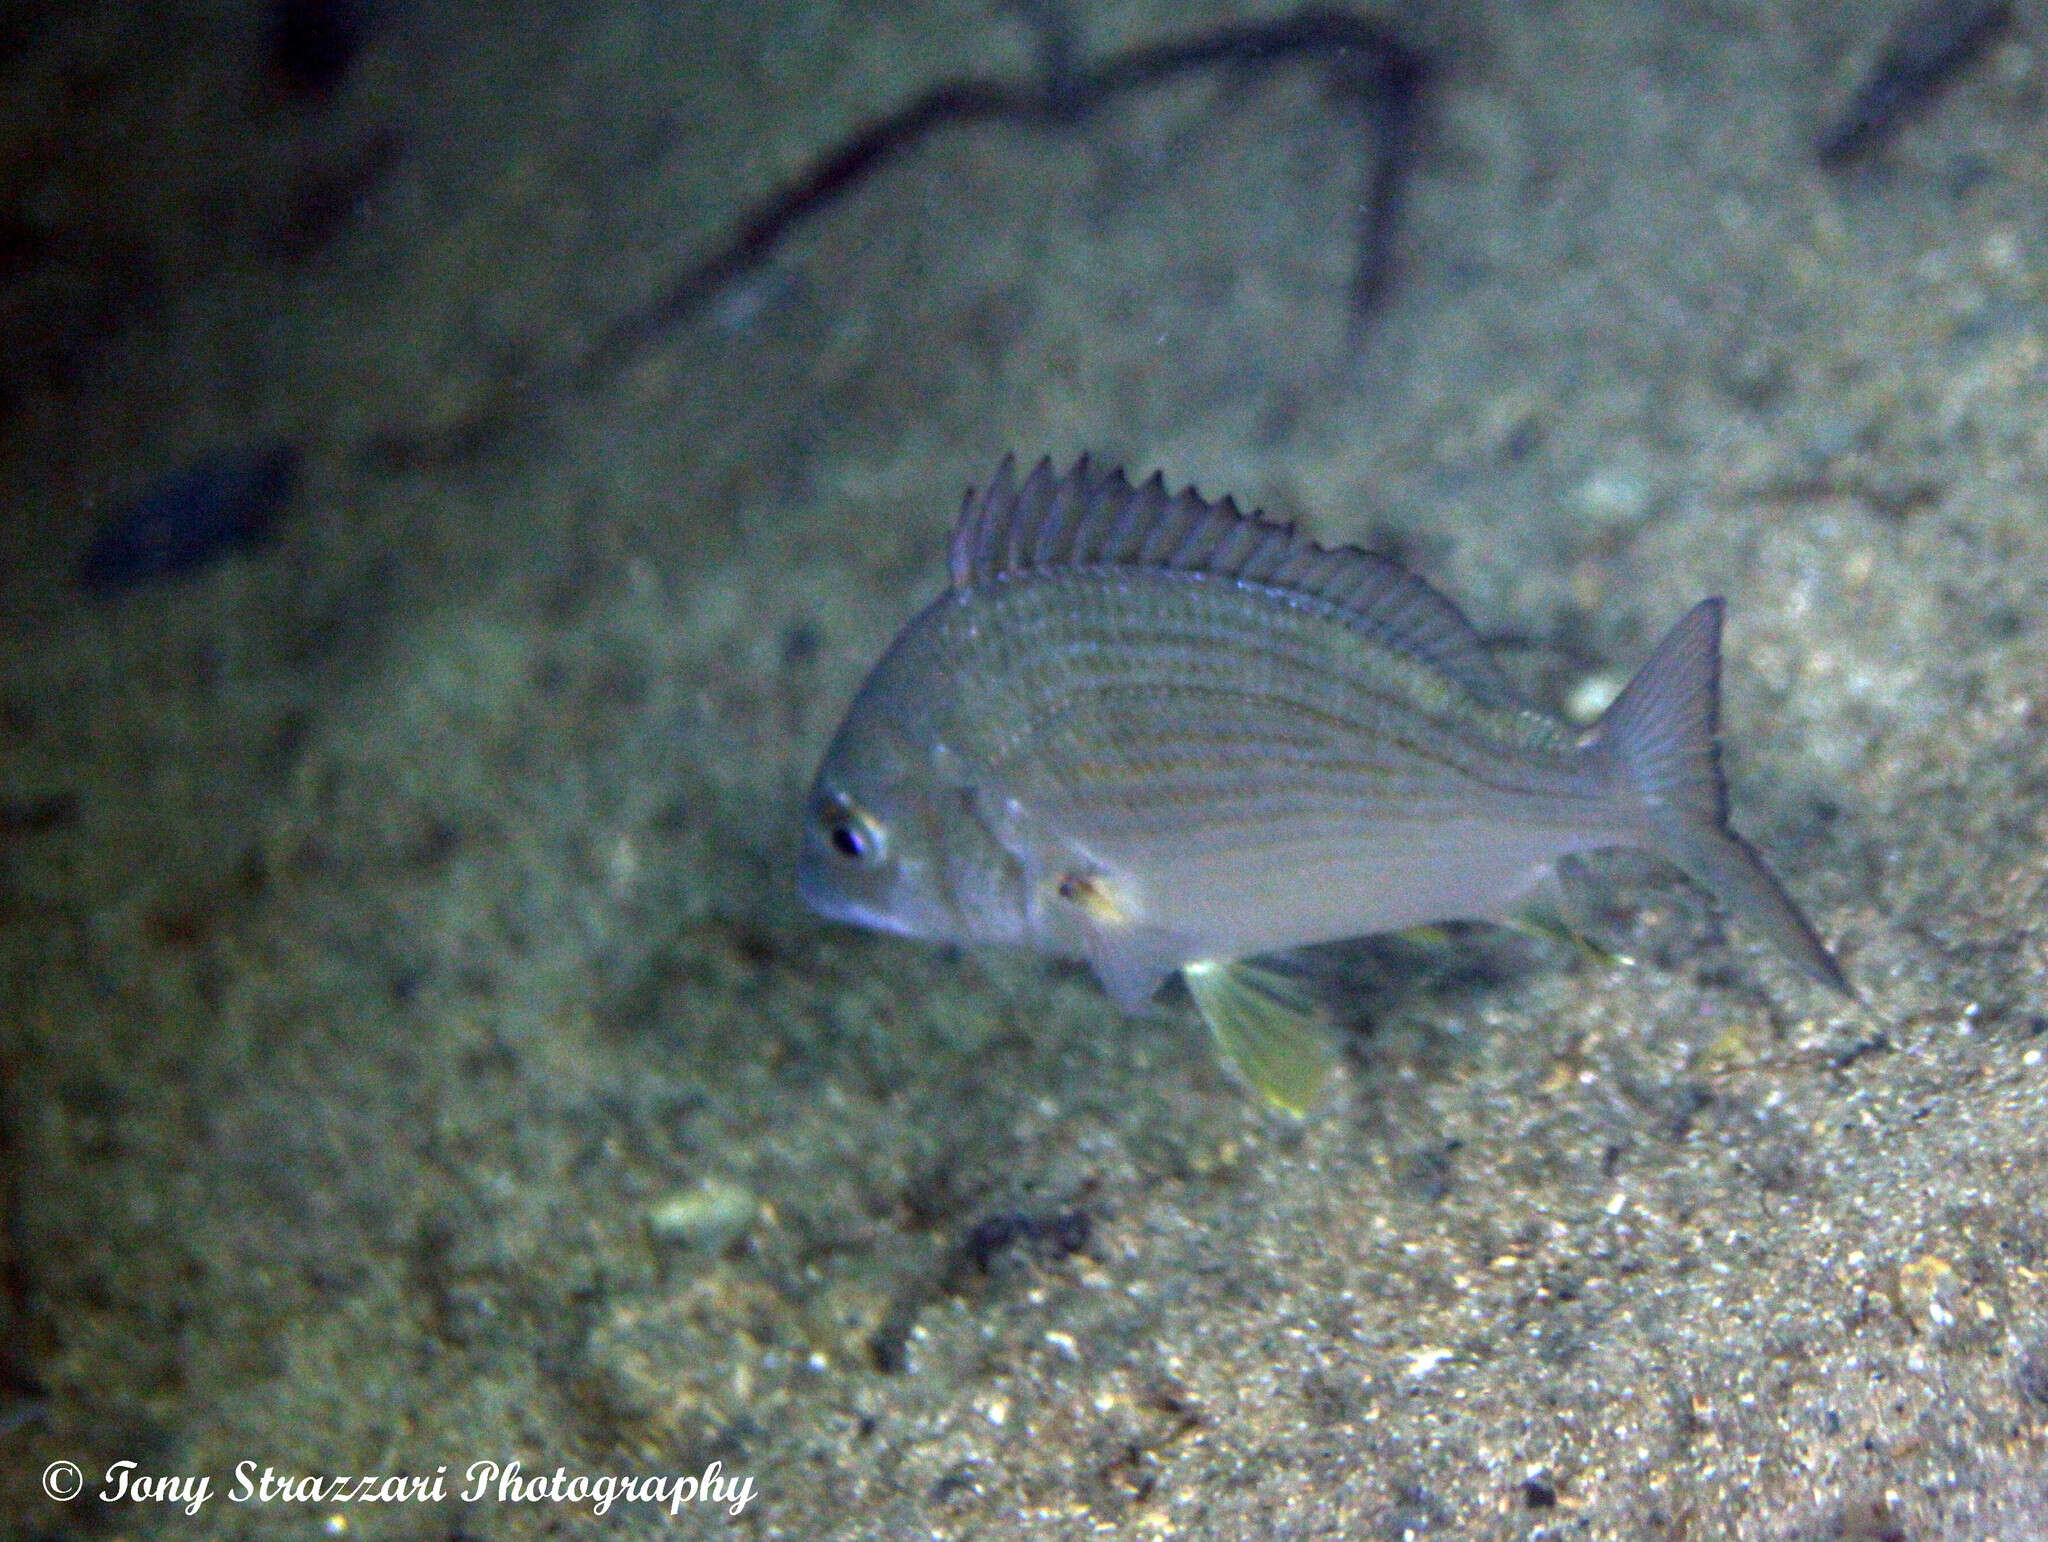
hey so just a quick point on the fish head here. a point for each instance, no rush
(894, 839)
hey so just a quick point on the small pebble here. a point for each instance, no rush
(1929, 1292)
(712, 1213)
(1591, 696)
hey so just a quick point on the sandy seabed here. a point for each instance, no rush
(414, 1054)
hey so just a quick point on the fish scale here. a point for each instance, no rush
(1122, 699)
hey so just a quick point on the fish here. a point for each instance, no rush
(1156, 734)
(1929, 44)
(216, 505)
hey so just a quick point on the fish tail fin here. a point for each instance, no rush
(1664, 731)
(1268, 1028)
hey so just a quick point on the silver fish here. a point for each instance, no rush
(1156, 733)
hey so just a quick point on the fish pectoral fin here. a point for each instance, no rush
(1083, 908)
(1131, 966)
(1269, 1030)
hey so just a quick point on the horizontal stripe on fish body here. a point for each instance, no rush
(1087, 695)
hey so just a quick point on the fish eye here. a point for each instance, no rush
(852, 832)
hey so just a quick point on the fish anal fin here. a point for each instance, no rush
(1546, 922)
(1430, 935)
(1268, 1029)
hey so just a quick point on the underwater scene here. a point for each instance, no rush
(1024, 769)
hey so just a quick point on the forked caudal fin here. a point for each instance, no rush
(1664, 731)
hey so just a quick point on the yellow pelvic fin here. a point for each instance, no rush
(1427, 936)
(1268, 1028)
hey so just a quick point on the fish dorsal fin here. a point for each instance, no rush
(1092, 519)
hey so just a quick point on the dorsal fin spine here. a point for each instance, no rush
(1300, 569)
(1235, 546)
(1199, 544)
(1038, 492)
(1167, 533)
(1098, 506)
(1130, 520)
(1268, 557)
(1054, 526)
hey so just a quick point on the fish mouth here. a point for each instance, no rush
(817, 890)
(820, 889)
